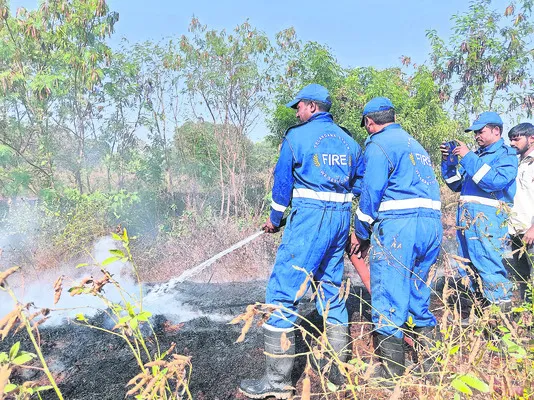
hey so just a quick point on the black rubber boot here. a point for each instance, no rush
(390, 350)
(276, 382)
(338, 339)
(425, 342)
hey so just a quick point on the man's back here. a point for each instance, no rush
(325, 158)
(411, 181)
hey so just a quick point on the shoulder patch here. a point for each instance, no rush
(294, 127)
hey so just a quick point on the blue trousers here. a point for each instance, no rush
(403, 250)
(313, 245)
(481, 238)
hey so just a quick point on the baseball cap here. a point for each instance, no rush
(375, 105)
(488, 117)
(312, 92)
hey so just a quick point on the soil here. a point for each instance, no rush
(89, 364)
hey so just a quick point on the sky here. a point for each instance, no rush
(358, 33)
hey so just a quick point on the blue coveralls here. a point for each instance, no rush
(486, 182)
(400, 211)
(318, 168)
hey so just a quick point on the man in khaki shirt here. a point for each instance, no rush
(521, 223)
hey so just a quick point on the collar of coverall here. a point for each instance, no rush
(390, 126)
(321, 115)
(491, 148)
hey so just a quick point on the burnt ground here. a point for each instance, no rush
(90, 364)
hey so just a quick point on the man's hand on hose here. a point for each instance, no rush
(268, 227)
(358, 246)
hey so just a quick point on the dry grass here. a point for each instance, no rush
(172, 255)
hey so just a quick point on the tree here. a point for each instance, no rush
(228, 79)
(313, 63)
(487, 64)
(124, 98)
(416, 97)
(50, 73)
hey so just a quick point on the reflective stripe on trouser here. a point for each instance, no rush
(482, 241)
(403, 250)
(314, 239)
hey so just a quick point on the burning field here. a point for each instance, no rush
(181, 339)
(91, 364)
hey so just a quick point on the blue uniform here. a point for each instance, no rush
(400, 211)
(486, 182)
(316, 173)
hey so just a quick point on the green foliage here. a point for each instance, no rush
(464, 383)
(487, 64)
(314, 63)
(418, 105)
(74, 220)
(18, 358)
(197, 152)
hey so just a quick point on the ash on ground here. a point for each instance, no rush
(89, 364)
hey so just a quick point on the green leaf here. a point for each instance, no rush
(110, 260)
(115, 236)
(475, 383)
(14, 350)
(125, 237)
(81, 318)
(82, 265)
(134, 323)
(23, 358)
(9, 387)
(117, 253)
(331, 386)
(454, 350)
(492, 347)
(457, 396)
(3, 357)
(503, 329)
(461, 386)
(144, 316)
(43, 388)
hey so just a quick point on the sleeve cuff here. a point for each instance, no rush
(276, 217)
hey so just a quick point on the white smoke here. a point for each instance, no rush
(40, 292)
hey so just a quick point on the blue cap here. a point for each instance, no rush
(375, 105)
(312, 92)
(488, 117)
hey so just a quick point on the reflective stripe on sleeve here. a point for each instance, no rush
(405, 204)
(481, 173)
(364, 217)
(480, 200)
(454, 178)
(276, 329)
(278, 207)
(323, 196)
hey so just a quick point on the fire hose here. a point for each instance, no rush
(359, 264)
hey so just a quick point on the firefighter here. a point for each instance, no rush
(318, 167)
(485, 179)
(399, 216)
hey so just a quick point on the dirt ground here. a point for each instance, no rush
(89, 364)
